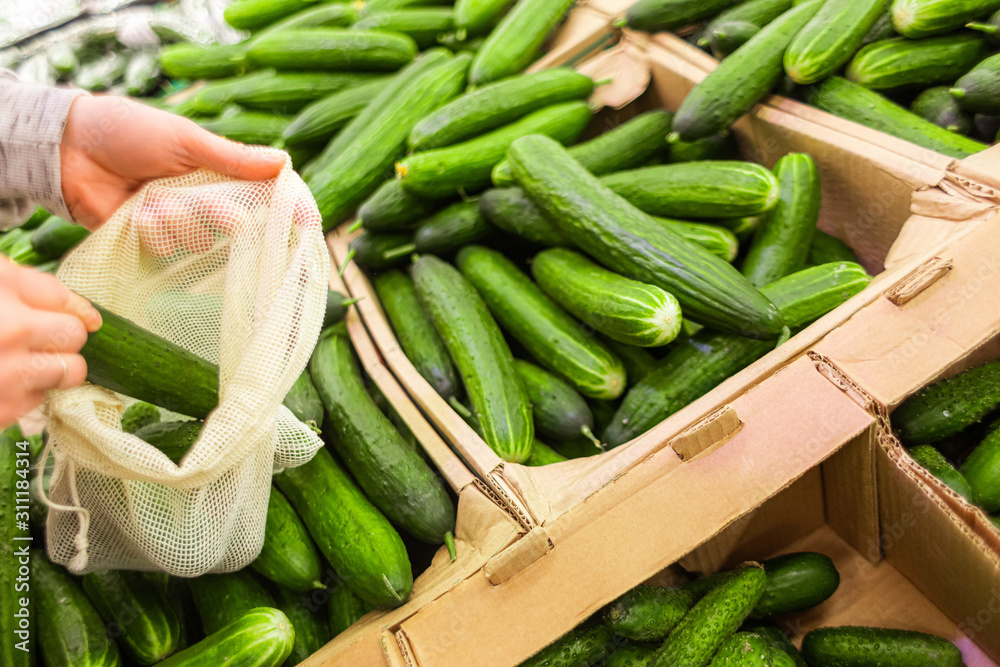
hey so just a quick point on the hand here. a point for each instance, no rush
(112, 146)
(44, 325)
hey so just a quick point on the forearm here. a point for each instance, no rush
(32, 119)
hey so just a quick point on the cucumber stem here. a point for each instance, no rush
(589, 435)
(786, 333)
(603, 82)
(405, 249)
(957, 92)
(347, 260)
(673, 137)
(319, 584)
(987, 28)
(621, 23)
(459, 408)
(356, 226)
(350, 302)
(449, 541)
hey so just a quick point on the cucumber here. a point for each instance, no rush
(382, 6)
(55, 237)
(322, 15)
(940, 107)
(422, 24)
(856, 103)
(248, 127)
(830, 38)
(744, 649)
(625, 310)
(370, 143)
(37, 218)
(142, 73)
(223, 598)
(415, 333)
(729, 36)
(982, 471)
(394, 477)
(551, 336)
(757, 13)
(477, 17)
(901, 63)
(262, 637)
(923, 18)
(63, 59)
(308, 620)
(190, 61)
(718, 146)
(287, 556)
(132, 361)
(703, 630)
(137, 613)
(543, 455)
(710, 189)
(979, 89)
(451, 228)
(796, 582)
(579, 647)
(577, 448)
(741, 80)
(514, 43)
(481, 355)
(989, 27)
(948, 406)
(344, 49)
(100, 74)
(381, 251)
(881, 30)
(336, 308)
(810, 293)
(629, 145)
(345, 608)
(254, 14)
(638, 364)
(714, 238)
(498, 104)
(631, 655)
(512, 211)
(559, 411)
(853, 646)
(647, 613)
(781, 243)
(18, 644)
(285, 92)
(985, 127)
(391, 208)
(466, 166)
(173, 438)
(304, 402)
(781, 646)
(629, 242)
(74, 635)
(138, 415)
(669, 15)
(936, 464)
(356, 539)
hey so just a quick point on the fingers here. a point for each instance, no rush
(54, 332)
(228, 157)
(17, 405)
(42, 291)
(41, 371)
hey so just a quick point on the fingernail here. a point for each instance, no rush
(96, 321)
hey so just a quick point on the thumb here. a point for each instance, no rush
(227, 157)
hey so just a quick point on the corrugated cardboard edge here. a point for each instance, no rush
(588, 27)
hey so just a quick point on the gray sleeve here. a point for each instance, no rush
(32, 118)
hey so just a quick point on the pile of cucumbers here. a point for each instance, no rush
(926, 71)
(952, 429)
(41, 241)
(727, 620)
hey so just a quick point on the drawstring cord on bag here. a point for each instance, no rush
(79, 561)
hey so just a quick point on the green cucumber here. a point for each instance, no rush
(336, 308)
(392, 209)
(354, 164)
(262, 637)
(985, 127)
(559, 411)
(853, 646)
(620, 308)
(923, 18)
(18, 644)
(810, 293)
(345, 608)
(638, 364)
(125, 358)
(248, 127)
(173, 438)
(901, 63)
(394, 477)
(825, 248)
(322, 15)
(552, 337)
(37, 218)
(577, 448)
(466, 166)
(781, 646)
(731, 35)
(632, 655)
(796, 582)
(477, 17)
(223, 598)
(190, 61)
(646, 613)
(451, 228)
(757, 13)
(514, 43)
(138, 415)
(287, 556)
(481, 355)
(422, 24)
(743, 649)
(101, 73)
(543, 455)
(498, 104)
(415, 333)
(718, 146)
(356, 539)
(948, 406)
(142, 73)
(936, 464)
(381, 251)
(308, 620)
(304, 402)
(382, 6)
(629, 242)
(629, 145)
(75, 635)
(741, 80)
(345, 49)
(711, 189)
(580, 647)
(716, 239)
(55, 237)
(255, 14)
(323, 118)
(704, 629)
(510, 210)
(989, 27)
(982, 471)
(940, 107)
(137, 613)
(979, 89)
(866, 107)
(670, 15)
(830, 38)
(881, 30)
(781, 242)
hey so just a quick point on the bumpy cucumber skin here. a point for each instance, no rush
(781, 646)
(543, 455)
(309, 621)
(940, 107)
(288, 556)
(718, 146)
(948, 406)
(742, 79)
(356, 539)
(632, 655)
(755, 12)
(481, 355)
(830, 38)
(629, 242)
(376, 251)
(394, 477)
(712, 619)
(744, 649)
(451, 228)
(781, 242)
(223, 598)
(580, 646)
(664, 15)
(304, 402)
(139, 414)
(320, 120)
(979, 89)
(628, 311)
(512, 211)
(423, 24)
(646, 613)
(796, 582)
(262, 637)
(864, 647)
(172, 438)
(545, 330)
(982, 471)
(923, 18)
(10, 513)
(729, 36)
(138, 613)
(415, 333)
(936, 464)
(901, 63)
(392, 208)
(559, 411)
(345, 608)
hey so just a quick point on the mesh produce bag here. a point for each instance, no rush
(237, 273)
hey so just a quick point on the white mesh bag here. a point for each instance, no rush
(254, 253)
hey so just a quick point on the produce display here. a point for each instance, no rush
(922, 70)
